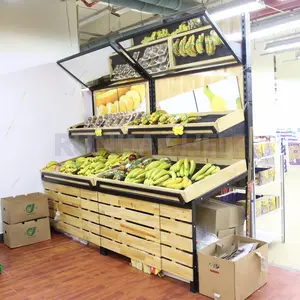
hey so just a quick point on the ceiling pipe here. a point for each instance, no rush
(172, 4)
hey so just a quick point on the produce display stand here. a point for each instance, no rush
(154, 225)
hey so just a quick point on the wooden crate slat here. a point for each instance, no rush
(61, 188)
(178, 213)
(110, 210)
(74, 211)
(92, 195)
(92, 227)
(70, 200)
(111, 245)
(108, 199)
(139, 205)
(89, 205)
(176, 241)
(140, 244)
(91, 237)
(91, 216)
(141, 256)
(70, 229)
(141, 231)
(176, 227)
(110, 222)
(177, 269)
(177, 255)
(71, 220)
(140, 218)
(110, 233)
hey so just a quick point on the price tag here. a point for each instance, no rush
(178, 130)
(98, 132)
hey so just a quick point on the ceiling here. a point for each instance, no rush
(101, 18)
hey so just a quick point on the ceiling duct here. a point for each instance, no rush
(171, 4)
(143, 7)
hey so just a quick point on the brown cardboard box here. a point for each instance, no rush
(215, 216)
(24, 208)
(26, 233)
(232, 280)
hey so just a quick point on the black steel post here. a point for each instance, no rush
(250, 190)
(194, 285)
(152, 99)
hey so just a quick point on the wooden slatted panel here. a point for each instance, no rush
(92, 227)
(177, 213)
(70, 200)
(110, 222)
(74, 211)
(176, 227)
(140, 218)
(111, 245)
(52, 213)
(141, 231)
(108, 199)
(176, 241)
(70, 229)
(110, 233)
(62, 188)
(141, 256)
(53, 204)
(70, 220)
(177, 269)
(177, 255)
(89, 205)
(90, 216)
(140, 244)
(91, 237)
(138, 205)
(92, 195)
(110, 210)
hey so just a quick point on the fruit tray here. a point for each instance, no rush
(218, 123)
(80, 130)
(199, 190)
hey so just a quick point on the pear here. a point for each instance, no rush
(217, 103)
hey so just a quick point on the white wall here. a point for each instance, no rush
(39, 101)
(263, 88)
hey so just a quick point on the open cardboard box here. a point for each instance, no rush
(232, 280)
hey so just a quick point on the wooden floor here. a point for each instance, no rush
(64, 269)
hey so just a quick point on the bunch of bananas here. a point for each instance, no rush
(161, 117)
(206, 171)
(184, 168)
(182, 28)
(151, 38)
(162, 33)
(192, 47)
(101, 152)
(137, 175)
(52, 165)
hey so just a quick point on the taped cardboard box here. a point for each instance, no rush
(232, 280)
(219, 218)
(24, 208)
(26, 233)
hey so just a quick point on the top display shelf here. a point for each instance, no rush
(193, 43)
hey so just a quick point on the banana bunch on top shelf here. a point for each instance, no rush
(192, 46)
(161, 117)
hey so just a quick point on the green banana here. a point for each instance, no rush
(192, 167)
(155, 172)
(160, 174)
(200, 177)
(175, 186)
(210, 170)
(161, 180)
(153, 165)
(202, 171)
(216, 170)
(173, 174)
(182, 171)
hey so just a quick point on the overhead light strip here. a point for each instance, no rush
(235, 8)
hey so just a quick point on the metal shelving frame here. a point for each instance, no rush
(242, 59)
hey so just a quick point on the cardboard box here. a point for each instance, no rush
(24, 208)
(232, 280)
(215, 216)
(26, 233)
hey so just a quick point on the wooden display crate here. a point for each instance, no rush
(202, 189)
(176, 241)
